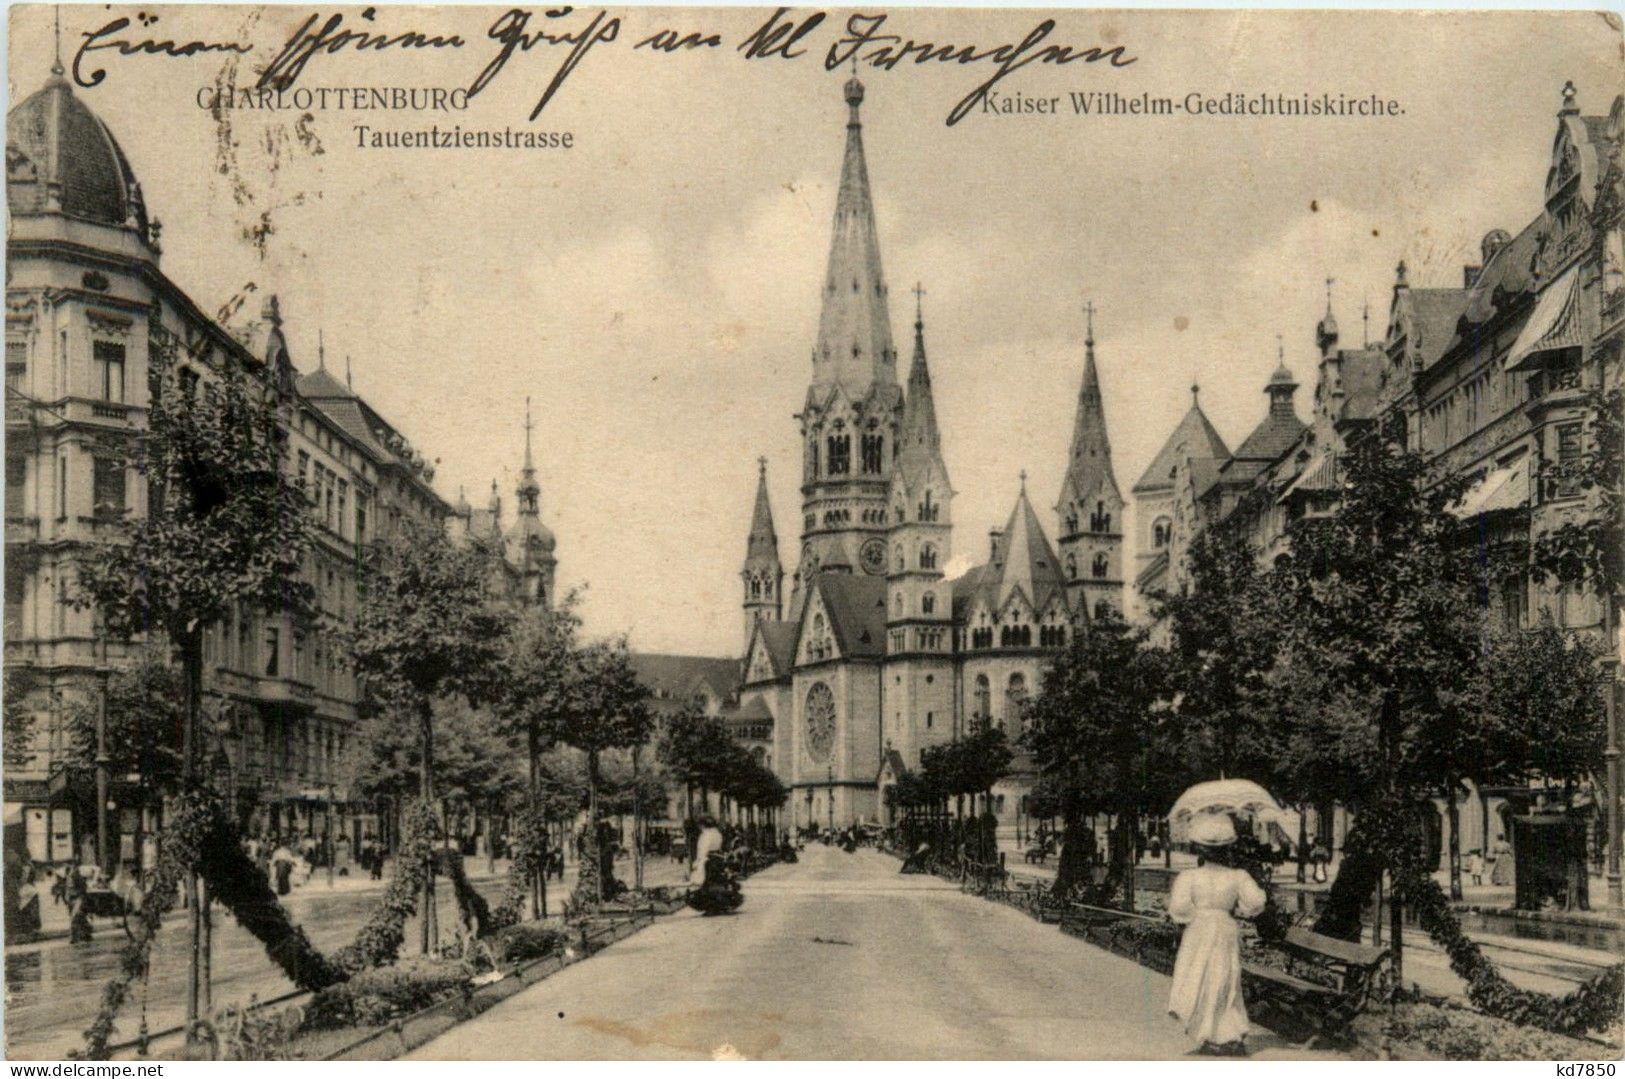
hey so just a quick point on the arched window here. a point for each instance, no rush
(897, 558)
(1101, 565)
(840, 454)
(1161, 533)
(1071, 523)
(873, 450)
(755, 588)
(984, 698)
(1072, 566)
(928, 557)
(928, 508)
(897, 605)
(1026, 636)
(928, 603)
(1015, 695)
(1100, 520)
(1102, 610)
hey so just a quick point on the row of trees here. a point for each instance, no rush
(469, 698)
(1361, 670)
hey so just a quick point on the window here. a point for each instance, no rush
(304, 473)
(1568, 460)
(16, 587)
(1514, 601)
(62, 488)
(298, 655)
(1161, 533)
(108, 485)
(1100, 565)
(928, 603)
(872, 452)
(273, 646)
(16, 477)
(1015, 695)
(344, 498)
(928, 557)
(110, 369)
(1072, 567)
(16, 365)
(1100, 520)
(840, 454)
(984, 698)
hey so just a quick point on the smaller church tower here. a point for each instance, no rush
(919, 606)
(530, 544)
(763, 575)
(1090, 506)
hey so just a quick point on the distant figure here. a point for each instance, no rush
(1319, 859)
(1208, 900)
(1501, 863)
(1475, 866)
(282, 862)
(691, 832)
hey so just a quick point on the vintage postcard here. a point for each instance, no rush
(795, 533)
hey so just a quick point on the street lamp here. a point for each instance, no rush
(830, 796)
(103, 846)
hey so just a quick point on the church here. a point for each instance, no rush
(871, 655)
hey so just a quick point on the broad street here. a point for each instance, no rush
(839, 956)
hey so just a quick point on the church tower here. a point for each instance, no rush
(529, 543)
(762, 575)
(1090, 506)
(918, 700)
(850, 419)
(921, 521)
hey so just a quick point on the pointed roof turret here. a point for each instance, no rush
(854, 346)
(762, 546)
(1089, 465)
(528, 538)
(1195, 437)
(919, 441)
(1025, 559)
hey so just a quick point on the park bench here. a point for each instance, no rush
(1327, 982)
(986, 878)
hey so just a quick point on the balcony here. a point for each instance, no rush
(277, 690)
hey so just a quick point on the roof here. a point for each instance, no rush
(1273, 436)
(1025, 561)
(762, 546)
(919, 443)
(753, 709)
(1089, 464)
(54, 140)
(1193, 437)
(854, 344)
(856, 605)
(893, 760)
(780, 639)
(680, 677)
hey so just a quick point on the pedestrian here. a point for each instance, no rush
(1501, 863)
(28, 904)
(1208, 900)
(1319, 858)
(1475, 866)
(691, 832)
(283, 860)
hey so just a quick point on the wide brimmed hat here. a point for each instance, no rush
(1212, 830)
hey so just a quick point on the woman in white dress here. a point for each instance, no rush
(1207, 900)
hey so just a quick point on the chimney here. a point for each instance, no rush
(995, 541)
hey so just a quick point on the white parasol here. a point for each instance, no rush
(1241, 796)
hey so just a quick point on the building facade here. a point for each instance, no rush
(89, 315)
(875, 655)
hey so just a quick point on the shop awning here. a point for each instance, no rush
(1554, 325)
(1505, 488)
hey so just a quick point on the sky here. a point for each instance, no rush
(654, 289)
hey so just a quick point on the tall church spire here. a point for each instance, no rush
(854, 346)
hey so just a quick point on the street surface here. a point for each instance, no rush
(53, 988)
(840, 957)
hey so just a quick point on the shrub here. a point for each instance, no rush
(377, 996)
(520, 943)
(1462, 1035)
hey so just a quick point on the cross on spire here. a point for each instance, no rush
(761, 466)
(321, 349)
(56, 62)
(1024, 481)
(1280, 348)
(1330, 281)
(1089, 315)
(919, 294)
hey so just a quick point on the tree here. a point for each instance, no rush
(1383, 615)
(143, 728)
(610, 711)
(1543, 709)
(425, 628)
(18, 722)
(226, 530)
(1099, 730)
(541, 675)
(694, 748)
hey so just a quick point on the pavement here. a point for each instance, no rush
(53, 987)
(839, 957)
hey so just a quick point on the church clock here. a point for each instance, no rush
(820, 721)
(873, 556)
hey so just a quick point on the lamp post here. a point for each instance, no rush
(829, 795)
(103, 847)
